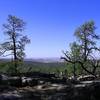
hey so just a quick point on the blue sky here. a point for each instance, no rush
(50, 23)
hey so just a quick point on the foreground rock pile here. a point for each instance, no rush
(33, 88)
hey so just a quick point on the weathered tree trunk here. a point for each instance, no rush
(14, 49)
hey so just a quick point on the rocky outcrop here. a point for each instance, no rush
(83, 91)
(52, 88)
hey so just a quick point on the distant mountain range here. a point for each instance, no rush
(44, 60)
(41, 60)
